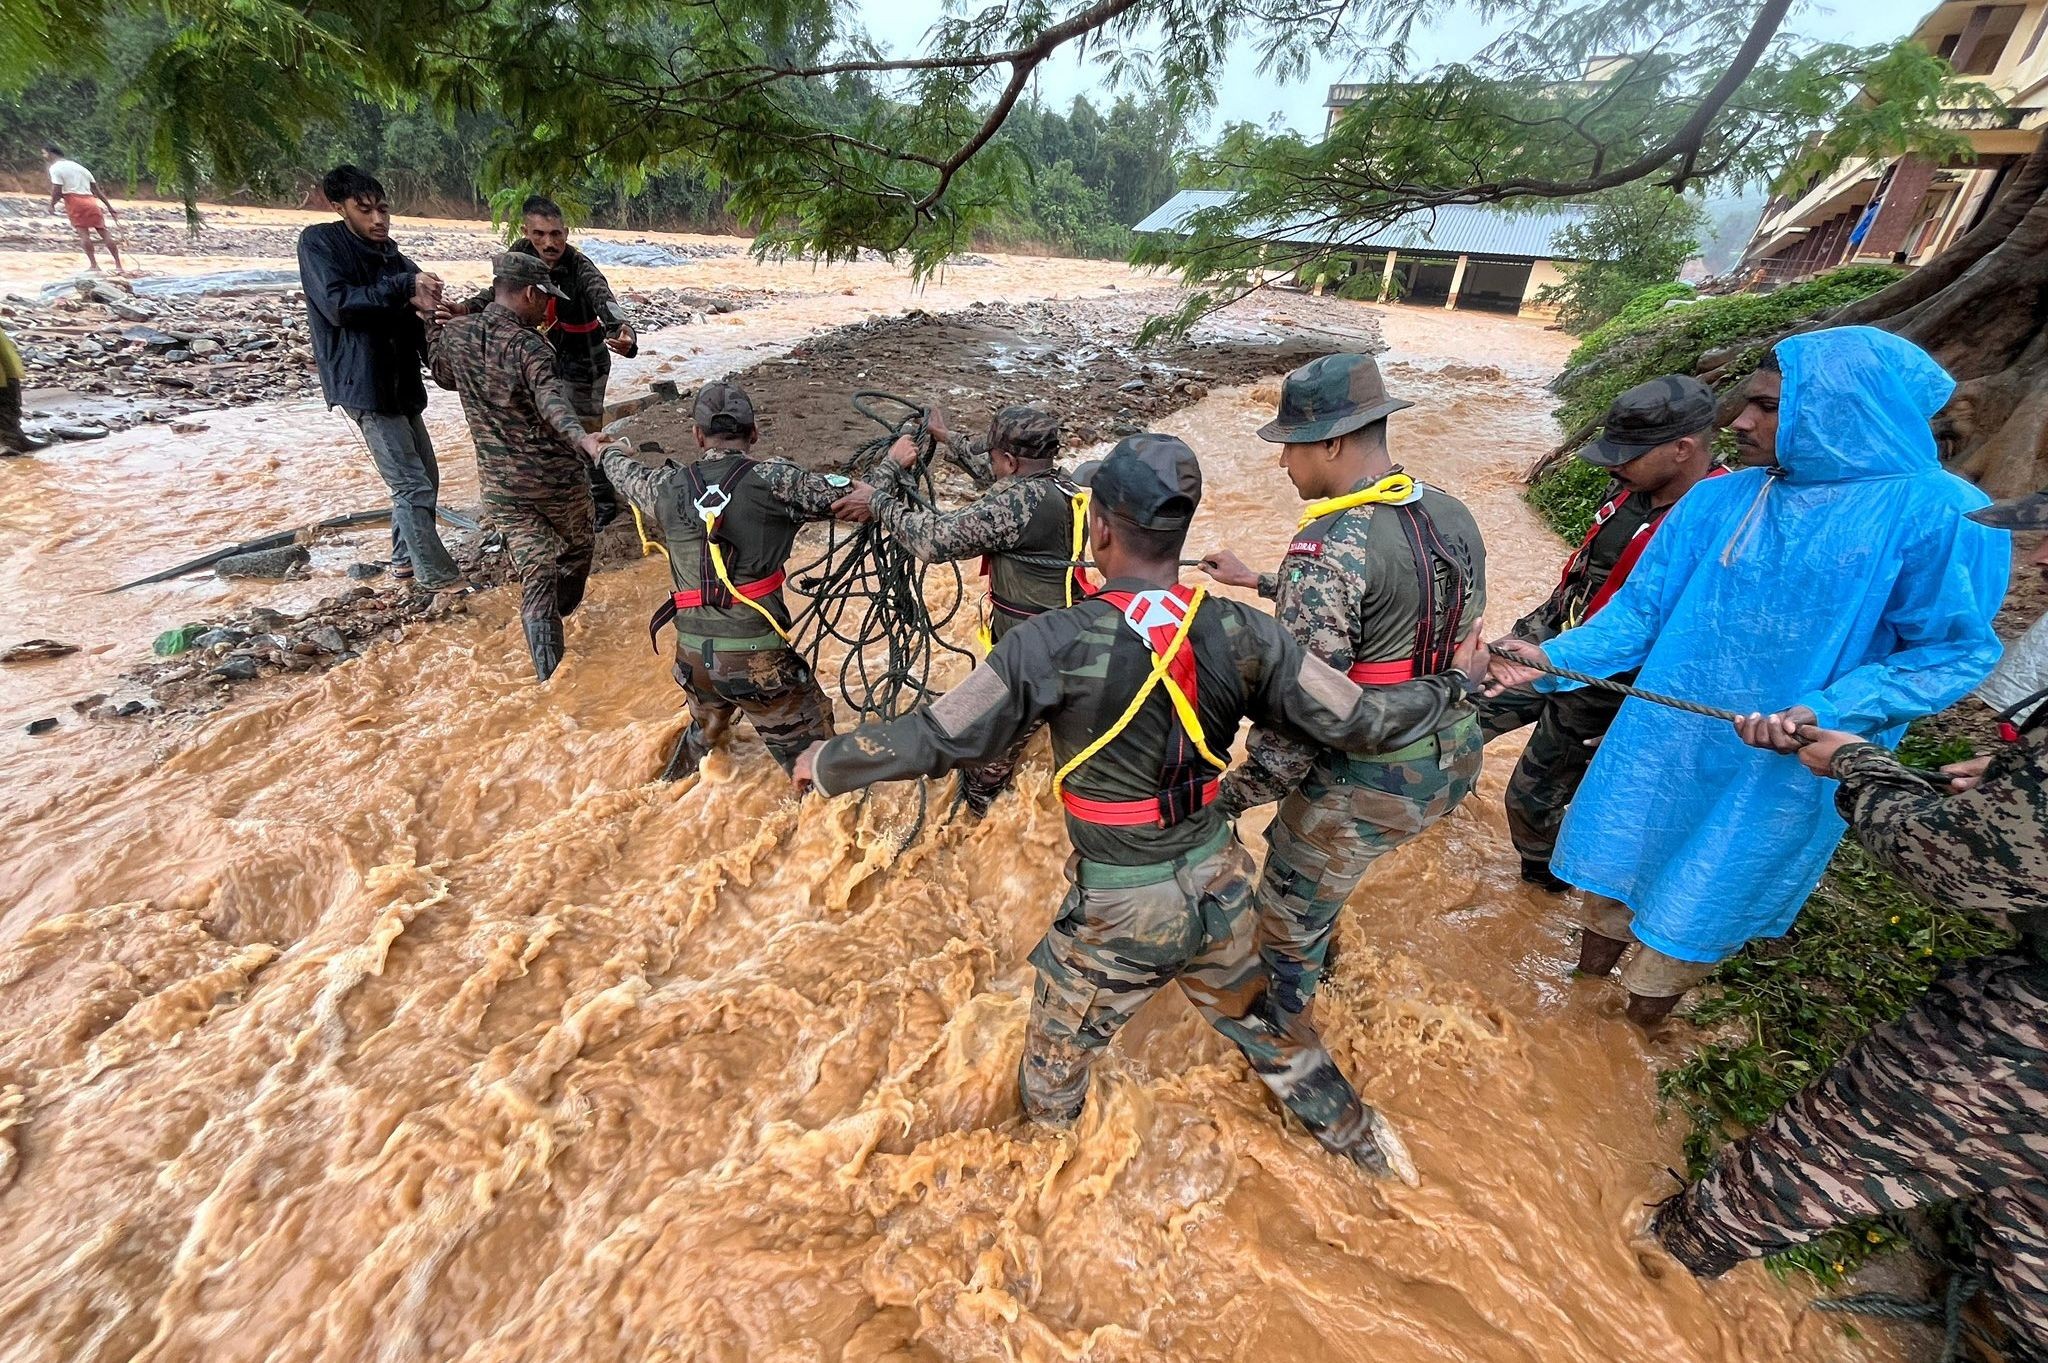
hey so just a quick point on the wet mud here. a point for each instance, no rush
(398, 1014)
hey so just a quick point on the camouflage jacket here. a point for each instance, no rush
(1348, 592)
(520, 416)
(1985, 850)
(1029, 514)
(770, 503)
(1586, 570)
(577, 325)
(1076, 670)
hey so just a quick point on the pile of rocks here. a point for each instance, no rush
(177, 354)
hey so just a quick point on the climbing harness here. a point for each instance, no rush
(715, 585)
(1150, 615)
(648, 545)
(1075, 579)
(1624, 565)
(1442, 576)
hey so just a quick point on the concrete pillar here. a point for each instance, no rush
(1387, 277)
(1457, 282)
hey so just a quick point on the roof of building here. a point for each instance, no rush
(1461, 229)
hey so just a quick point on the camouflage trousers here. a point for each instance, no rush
(12, 439)
(586, 395)
(1111, 949)
(1545, 780)
(1949, 1102)
(982, 782)
(773, 687)
(551, 539)
(1346, 814)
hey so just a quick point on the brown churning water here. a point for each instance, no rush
(393, 1016)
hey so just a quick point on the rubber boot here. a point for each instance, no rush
(691, 748)
(544, 645)
(1598, 955)
(1648, 1012)
(1538, 873)
(1380, 1152)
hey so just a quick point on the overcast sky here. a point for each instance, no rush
(900, 26)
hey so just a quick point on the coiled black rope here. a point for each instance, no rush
(870, 594)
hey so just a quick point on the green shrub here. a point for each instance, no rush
(1648, 339)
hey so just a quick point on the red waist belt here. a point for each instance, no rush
(1124, 813)
(1390, 673)
(753, 591)
(578, 328)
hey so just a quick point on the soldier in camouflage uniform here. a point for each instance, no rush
(527, 438)
(1657, 442)
(728, 522)
(584, 323)
(13, 383)
(1382, 581)
(1022, 527)
(1161, 889)
(1951, 1101)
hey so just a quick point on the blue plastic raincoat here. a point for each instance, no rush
(1850, 583)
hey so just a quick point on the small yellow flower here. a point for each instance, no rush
(1874, 1237)
(1895, 918)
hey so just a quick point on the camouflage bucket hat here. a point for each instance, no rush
(2019, 513)
(516, 267)
(1027, 431)
(1330, 397)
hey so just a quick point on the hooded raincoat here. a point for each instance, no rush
(1846, 580)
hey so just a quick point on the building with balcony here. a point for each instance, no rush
(1907, 209)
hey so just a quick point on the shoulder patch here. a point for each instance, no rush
(1305, 548)
(837, 480)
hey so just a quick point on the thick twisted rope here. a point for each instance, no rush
(1691, 707)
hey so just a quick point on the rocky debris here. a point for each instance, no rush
(41, 726)
(363, 571)
(270, 564)
(36, 650)
(170, 353)
(642, 253)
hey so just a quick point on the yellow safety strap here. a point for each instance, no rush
(1395, 487)
(1182, 706)
(647, 546)
(718, 566)
(1079, 503)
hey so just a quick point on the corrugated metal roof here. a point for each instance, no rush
(1462, 229)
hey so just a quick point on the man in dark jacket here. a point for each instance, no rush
(366, 304)
(584, 324)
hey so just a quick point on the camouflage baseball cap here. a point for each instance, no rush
(516, 267)
(2017, 513)
(723, 408)
(1150, 480)
(1330, 397)
(1026, 430)
(1649, 414)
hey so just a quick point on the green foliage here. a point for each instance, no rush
(1635, 238)
(1569, 496)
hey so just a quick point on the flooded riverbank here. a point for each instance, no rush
(396, 1014)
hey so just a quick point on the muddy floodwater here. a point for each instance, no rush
(393, 1013)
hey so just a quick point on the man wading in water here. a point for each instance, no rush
(1025, 527)
(727, 523)
(1141, 685)
(530, 447)
(583, 323)
(366, 306)
(85, 204)
(1657, 442)
(1384, 580)
(1837, 584)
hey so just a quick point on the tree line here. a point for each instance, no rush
(1084, 174)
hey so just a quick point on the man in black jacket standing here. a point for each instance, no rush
(366, 305)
